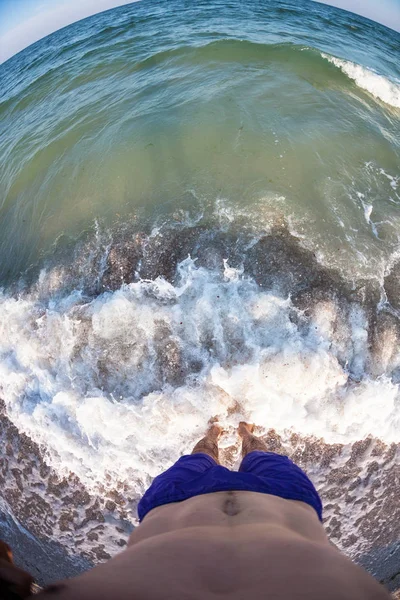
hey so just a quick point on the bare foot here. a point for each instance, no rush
(245, 428)
(214, 431)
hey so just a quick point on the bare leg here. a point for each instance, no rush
(250, 442)
(209, 443)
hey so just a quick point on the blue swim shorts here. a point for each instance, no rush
(263, 472)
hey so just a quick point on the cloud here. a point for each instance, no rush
(42, 24)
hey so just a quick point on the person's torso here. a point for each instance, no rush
(232, 545)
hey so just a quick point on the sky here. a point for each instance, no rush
(23, 22)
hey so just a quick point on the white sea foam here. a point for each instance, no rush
(118, 387)
(394, 181)
(379, 86)
(368, 208)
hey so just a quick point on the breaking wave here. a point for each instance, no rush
(184, 324)
(379, 86)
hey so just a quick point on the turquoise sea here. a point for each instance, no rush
(199, 216)
(165, 106)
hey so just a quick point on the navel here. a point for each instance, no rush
(231, 505)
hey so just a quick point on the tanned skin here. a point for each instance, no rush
(237, 545)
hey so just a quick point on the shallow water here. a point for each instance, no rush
(199, 216)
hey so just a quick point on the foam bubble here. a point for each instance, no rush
(394, 181)
(379, 86)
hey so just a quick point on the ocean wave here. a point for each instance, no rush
(379, 86)
(272, 338)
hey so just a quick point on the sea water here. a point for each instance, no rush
(200, 217)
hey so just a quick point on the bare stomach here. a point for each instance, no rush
(234, 545)
(232, 509)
